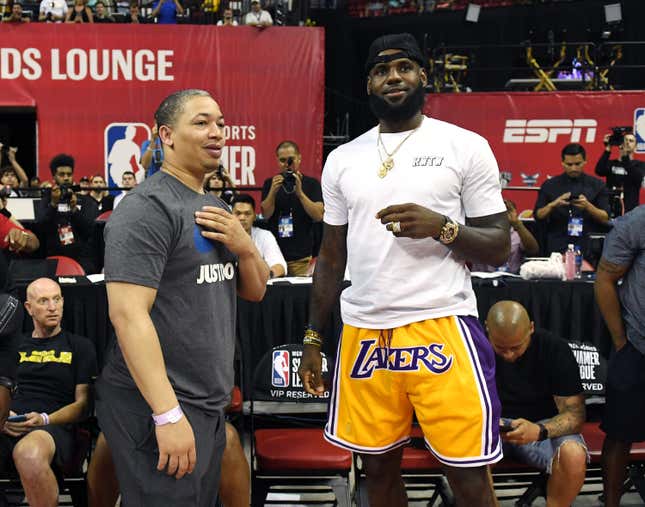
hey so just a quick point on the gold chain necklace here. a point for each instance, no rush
(388, 164)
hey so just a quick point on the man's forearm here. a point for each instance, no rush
(529, 243)
(328, 277)
(544, 212)
(146, 158)
(139, 343)
(268, 205)
(607, 299)
(602, 166)
(481, 244)
(566, 423)
(313, 209)
(5, 403)
(253, 274)
(597, 214)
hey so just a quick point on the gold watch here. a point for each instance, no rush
(448, 232)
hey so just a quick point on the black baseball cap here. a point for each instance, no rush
(404, 42)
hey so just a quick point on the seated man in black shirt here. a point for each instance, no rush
(66, 231)
(538, 381)
(571, 205)
(623, 174)
(291, 203)
(10, 325)
(54, 372)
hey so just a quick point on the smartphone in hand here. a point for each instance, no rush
(505, 425)
(17, 418)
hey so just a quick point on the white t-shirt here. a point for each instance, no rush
(266, 243)
(221, 23)
(254, 18)
(56, 7)
(397, 281)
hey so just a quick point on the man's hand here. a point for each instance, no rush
(73, 201)
(276, 183)
(310, 370)
(524, 432)
(563, 200)
(17, 240)
(298, 185)
(513, 217)
(55, 195)
(580, 202)
(17, 429)
(177, 453)
(605, 140)
(415, 221)
(222, 226)
(11, 154)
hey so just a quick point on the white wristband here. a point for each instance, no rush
(172, 416)
(45, 418)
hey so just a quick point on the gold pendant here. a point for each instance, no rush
(386, 166)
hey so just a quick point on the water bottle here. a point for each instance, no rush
(578, 271)
(570, 262)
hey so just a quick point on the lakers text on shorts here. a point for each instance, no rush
(443, 369)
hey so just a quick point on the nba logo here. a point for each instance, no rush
(639, 129)
(123, 151)
(280, 370)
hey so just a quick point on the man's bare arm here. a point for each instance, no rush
(606, 292)
(571, 416)
(76, 411)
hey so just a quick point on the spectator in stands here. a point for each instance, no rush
(218, 180)
(624, 174)
(291, 203)
(522, 243)
(66, 230)
(98, 201)
(227, 19)
(135, 16)
(258, 16)
(234, 487)
(129, 181)
(538, 381)
(623, 308)
(81, 13)
(101, 13)
(52, 11)
(13, 175)
(244, 210)
(151, 153)
(166, 11)
(573, 204)
(16, 15)
(54, 372)
(85, 185)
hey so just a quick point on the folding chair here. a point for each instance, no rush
(67, 266)
(287, 445)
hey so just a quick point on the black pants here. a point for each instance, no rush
(125, 418)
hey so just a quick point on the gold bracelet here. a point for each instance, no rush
(307, 340)
(311, 333)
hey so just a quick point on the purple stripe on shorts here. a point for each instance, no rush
(331, 411)
(484, 352)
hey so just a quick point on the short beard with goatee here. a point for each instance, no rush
(396, 113)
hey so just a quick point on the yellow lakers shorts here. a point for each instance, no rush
(441, 369)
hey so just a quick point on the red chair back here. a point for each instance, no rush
(103, 217)
(67, 266)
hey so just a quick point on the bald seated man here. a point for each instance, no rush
(543, 409)
(55, 368)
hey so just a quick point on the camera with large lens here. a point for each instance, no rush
(618, 135)
(289, 176)
(66, 193)
(5, 192)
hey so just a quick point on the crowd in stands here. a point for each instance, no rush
(159, 11)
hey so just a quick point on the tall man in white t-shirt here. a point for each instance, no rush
(407, 204)
(243, 208)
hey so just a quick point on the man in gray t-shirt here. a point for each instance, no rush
(175, 260)
(623, 309)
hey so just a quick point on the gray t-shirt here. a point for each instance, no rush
(152, 240)
(625, 245)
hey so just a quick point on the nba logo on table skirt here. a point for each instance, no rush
(280, 370)
(123, 151)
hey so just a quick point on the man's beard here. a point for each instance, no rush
(405, 110)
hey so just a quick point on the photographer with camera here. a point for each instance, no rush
(66, 231)
(220, 184)
(624, 174)
(291, 203)
(12, 175)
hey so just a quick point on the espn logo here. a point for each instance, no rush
(547, 131)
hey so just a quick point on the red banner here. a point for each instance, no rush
(527, 131)
(95, 89)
